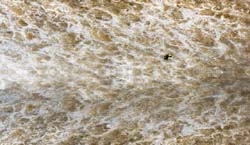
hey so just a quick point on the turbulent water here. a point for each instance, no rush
(92, 72)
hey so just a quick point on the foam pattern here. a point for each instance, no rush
(93, 72)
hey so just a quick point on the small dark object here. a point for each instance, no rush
(167, 56)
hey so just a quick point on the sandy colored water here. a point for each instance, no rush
(92, 72)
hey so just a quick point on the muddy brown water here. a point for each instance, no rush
(83, 72)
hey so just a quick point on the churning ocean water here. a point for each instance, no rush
(124, 72)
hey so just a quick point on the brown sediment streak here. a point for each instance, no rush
(100, 72)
